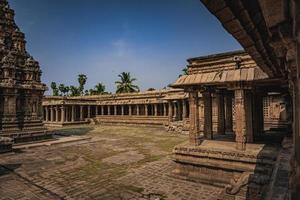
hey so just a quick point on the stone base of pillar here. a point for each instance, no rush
(240, 173)
(5, 144)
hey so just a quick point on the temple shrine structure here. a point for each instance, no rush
(21, 90)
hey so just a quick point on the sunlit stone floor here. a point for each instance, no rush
(118, 162)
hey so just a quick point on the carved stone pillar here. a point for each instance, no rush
(208, 125)
(96, 110)
(122, 109)
(249, 116)
(102, 110)
(138, 110)
(115, 109)
(240, 121)
(170, 112)
(73, 113)
(228, 121)
(194, 134)
(296, 119)
(129, 110)
(183, 109)
(109, 110)
(51, 114)
(146, 109)
(155, 110)
(89, 112)
(165, 109)
(56, 113)
(179, 111)
(81, 113)
(62, 118)
(175, 116)
(46, 114)
(221, 113)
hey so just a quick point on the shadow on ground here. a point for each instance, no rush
(78, 131)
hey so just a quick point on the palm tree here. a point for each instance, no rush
(99, 88)
(82, 78)
(185, 71)
(61, 88)
(54, 89)
(74, 91)
(125, 85)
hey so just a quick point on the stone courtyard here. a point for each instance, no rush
(111, 162)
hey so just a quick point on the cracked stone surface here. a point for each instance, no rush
(119, 162)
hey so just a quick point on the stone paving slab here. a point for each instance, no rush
(79, 171)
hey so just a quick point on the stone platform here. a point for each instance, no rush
(242, 174)
(5, 144)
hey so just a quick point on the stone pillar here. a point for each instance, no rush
(240, 121)
(179, 112)
(175, 116)
(221, 113)
(165, 109)
(89, 112)
(194, 134)
(249, 116)
(73, 114)
(56, 113)
(102, 110)
(46, 113)
(228, 114)
(184, 114)
(51, 114)
(122, 109)
(62, 118)
(146, 109)
(115, 109)
(170, 111)
(296, 119)
(109, 110)
(81, 113)
(208, 125)
(129, 110)
(137, 109)
(66, 114)
(155, 110)
(96, 110)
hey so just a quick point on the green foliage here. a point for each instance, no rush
(64, 90)
(125, 85)
(54, 89)
(74, 91)
(82, 78)
(185, 71)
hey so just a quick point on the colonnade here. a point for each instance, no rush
(175, 110)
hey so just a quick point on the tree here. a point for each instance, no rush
(99, 88)
(82, 78)
(74, 91)
(54, 89)
(61, 88)
(66, 90)
(185, 71)
(125, 85)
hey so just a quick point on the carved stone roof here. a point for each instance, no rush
(221, 69)
(246, 74)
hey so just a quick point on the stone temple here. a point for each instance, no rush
(21, 90)
(240, 110)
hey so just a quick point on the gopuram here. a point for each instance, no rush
(21, 90)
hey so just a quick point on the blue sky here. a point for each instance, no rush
(101, 38)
